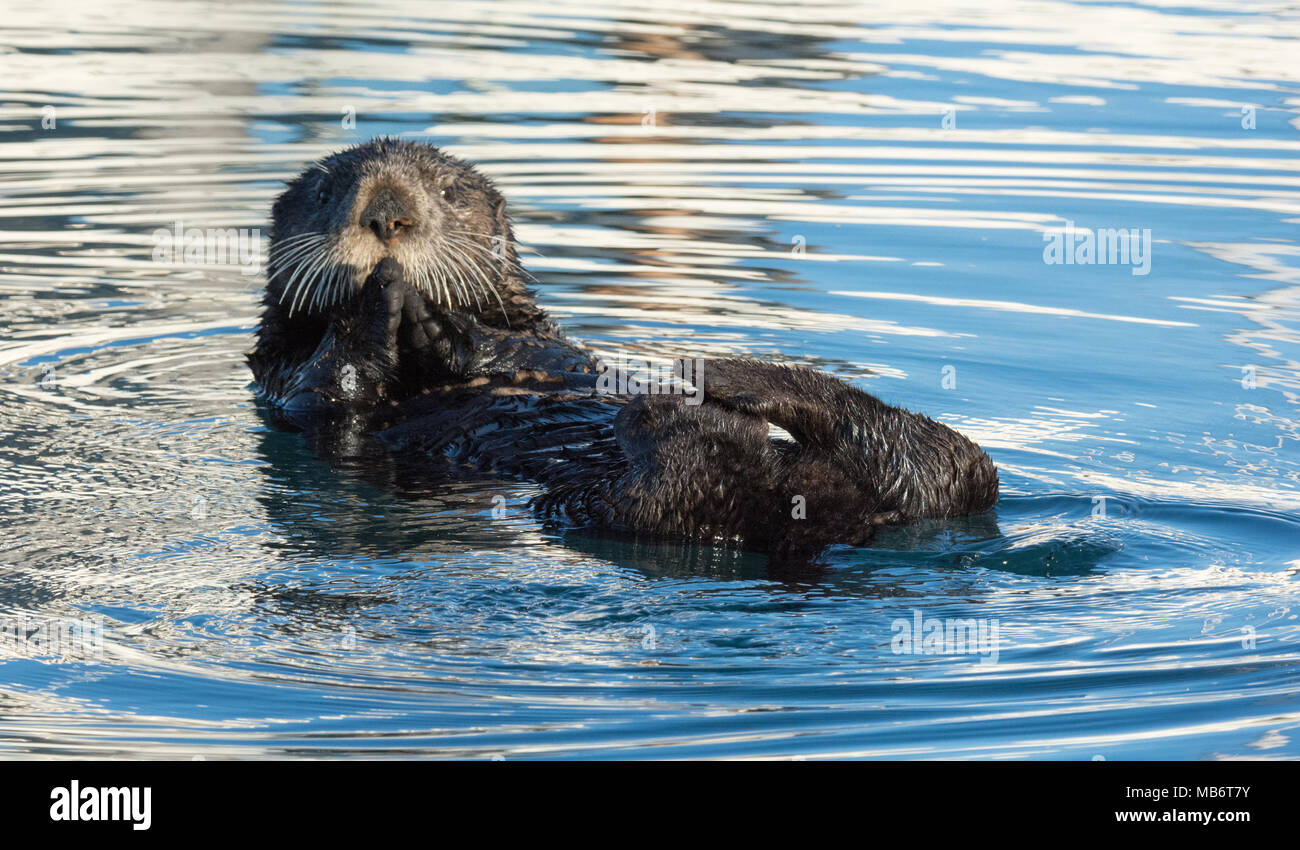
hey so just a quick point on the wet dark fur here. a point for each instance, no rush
(406, 343)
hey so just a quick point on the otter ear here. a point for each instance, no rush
(501, 216)
(505, 235)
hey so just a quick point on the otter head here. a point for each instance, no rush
(442, 221)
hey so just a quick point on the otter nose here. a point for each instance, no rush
(386, 216)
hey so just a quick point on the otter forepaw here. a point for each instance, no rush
(435, 341)
(383, 297)
(423, 325)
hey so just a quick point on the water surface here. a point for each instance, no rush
(863, 188)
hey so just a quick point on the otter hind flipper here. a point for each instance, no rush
(809, 405)
(902, 465)
(695, 471)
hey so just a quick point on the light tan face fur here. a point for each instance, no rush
(442, 221)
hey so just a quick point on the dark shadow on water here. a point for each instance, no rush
(979, 542)
(368, 503)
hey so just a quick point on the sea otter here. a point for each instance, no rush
(396, 306)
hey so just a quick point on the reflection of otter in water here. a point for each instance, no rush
(396, 306)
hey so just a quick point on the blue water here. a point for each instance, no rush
(866, 190)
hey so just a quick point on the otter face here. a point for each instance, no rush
(442, 221)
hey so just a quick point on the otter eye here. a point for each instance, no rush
(323, 194)
(448, 194)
